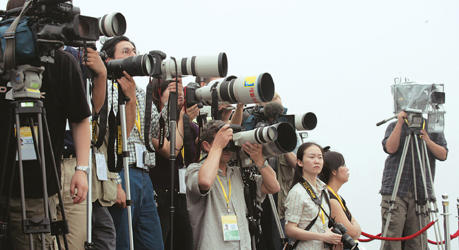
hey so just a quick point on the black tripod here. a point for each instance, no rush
(28, 109)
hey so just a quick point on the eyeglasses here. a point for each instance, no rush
(129, 51)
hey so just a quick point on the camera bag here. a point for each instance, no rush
(18, 39)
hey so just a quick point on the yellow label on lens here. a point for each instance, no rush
(250, 82)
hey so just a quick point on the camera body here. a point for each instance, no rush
(348, 241)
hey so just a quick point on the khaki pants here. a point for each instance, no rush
(75, 213)
(403, 222)
(34, 208)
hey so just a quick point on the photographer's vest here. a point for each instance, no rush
(104, 191)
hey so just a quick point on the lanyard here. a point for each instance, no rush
(322, 216)
(137, 120)
(224, 193)
(337, 196)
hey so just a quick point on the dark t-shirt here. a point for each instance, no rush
(161, 174)
(347, 212)
(64, 98)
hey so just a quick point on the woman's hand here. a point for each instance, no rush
(193, 112)
(331, 238)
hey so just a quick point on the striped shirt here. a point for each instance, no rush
(136, 136)
(301, 210)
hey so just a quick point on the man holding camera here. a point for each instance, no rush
(215, 191)
(145, 221)
(404, 220)
(64, 98)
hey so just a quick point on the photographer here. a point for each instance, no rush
(215, 191)
(404, 220)
(104, 190)
(145, 221)
(302, 211)
(161, 174)
(65, 98)
(335, 174)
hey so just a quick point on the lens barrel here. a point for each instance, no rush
(203, 66)
(259, 135)
(306, 121)
(286, 141)
(243, 89)
(113, 24)
(140, 65)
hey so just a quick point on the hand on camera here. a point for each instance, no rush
(127, 84)
(255, 152)
(401, 117)
(338, 246)
(173, 84)
(224, 135)
(94, 62)
(193, 112)
(226, 113)
(79, 187)
(425, 136)
(331, 238)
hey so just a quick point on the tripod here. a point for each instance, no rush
(422, 209)
(28, 109)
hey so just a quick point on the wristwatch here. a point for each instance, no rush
(265, 164)
(83, 168)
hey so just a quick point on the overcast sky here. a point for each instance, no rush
(337, 59)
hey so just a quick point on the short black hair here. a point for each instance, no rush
(332, 161)
(109, 46)
(210, 130)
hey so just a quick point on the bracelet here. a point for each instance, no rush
(265, 164)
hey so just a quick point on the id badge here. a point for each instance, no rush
(27, 147)
(229, 226)
(182, 185)
(101, 167)
(139, 150)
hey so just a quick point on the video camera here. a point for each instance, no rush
(231, 90)
(421, 98)
(49, 25)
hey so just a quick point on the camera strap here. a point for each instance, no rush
(187, 140)
(102, 116)
(147, 120)
(9, 57)
(202, 119)
(317, 201)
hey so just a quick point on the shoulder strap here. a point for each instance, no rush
(307, 229)
(9, 57)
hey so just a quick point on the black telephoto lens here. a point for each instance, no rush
(140, 65)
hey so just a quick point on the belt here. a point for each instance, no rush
(134, 165)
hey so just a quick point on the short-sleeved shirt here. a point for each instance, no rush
(393, 160)
(206, 209)
(64, 98)
(301, 210)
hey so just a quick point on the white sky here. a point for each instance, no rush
(337, 59)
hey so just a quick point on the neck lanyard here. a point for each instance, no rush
(227, 198)
(337, 196)
(137, 120)
(315, 199)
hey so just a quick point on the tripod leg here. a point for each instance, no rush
(396, 186)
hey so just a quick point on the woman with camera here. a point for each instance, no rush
(335, 174)
(307, 207)
(161, 174)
